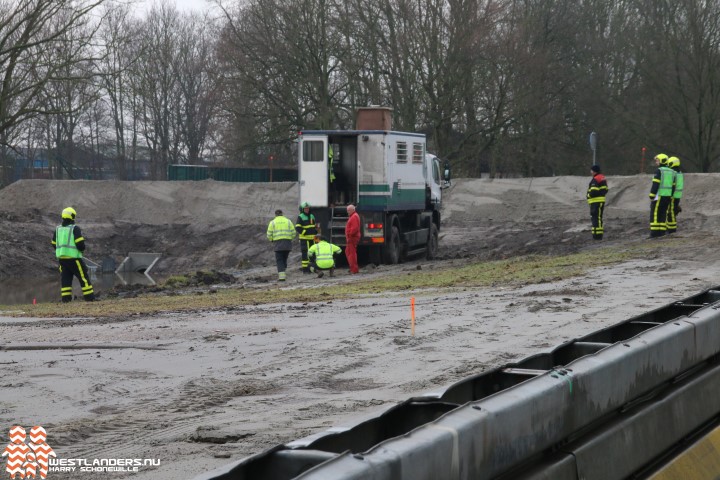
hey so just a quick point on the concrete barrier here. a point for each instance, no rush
(553, 415)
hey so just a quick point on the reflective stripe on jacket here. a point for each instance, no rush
(280, 228)
(323, 253)
(597, 189)
(306, 227)
(65, 242)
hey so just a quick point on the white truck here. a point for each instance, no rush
(389, 176)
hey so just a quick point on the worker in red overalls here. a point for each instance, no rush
(352, 238)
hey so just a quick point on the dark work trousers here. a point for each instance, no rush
(74, 267)
(672, 215)
(596, 215)
(304, 247)
(658, 216)
(314, 266)
(281, 257)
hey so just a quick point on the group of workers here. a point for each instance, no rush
(666, 192)
(317, 254)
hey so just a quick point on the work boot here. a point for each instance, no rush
(320, 274)
(306, 270)
(332, 272)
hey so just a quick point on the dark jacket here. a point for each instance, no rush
(597, 189)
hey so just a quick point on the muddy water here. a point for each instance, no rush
(42, 290)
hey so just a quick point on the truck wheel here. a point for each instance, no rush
(432, 243)
(392, 248)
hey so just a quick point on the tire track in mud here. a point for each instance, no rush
(128, 433)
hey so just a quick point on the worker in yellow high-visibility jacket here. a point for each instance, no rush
(69, 246)
(281, 232)
(661, 193)
(321, 256)
(677, 193)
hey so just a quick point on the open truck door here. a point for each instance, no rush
(314, 170)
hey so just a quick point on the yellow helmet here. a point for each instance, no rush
(662, 157)
(69, 213)
(673, 162)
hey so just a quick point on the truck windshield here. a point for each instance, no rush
(313, 151)
(436, 171)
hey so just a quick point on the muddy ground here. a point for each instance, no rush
(198, 390)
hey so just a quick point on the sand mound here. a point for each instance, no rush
(209, 224)
(205, 203)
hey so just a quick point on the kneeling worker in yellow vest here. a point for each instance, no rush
(321, 256)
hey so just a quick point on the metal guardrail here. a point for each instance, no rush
(627, 393)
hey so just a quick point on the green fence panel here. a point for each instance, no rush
(229, 174)
(188, 172)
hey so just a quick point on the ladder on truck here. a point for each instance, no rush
(338, 220)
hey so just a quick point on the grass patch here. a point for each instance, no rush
(517, 270)
(514, 271)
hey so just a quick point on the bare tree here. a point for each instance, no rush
(156, 86)
(680, 65)
(197, 74)
(29, 29)
(117, 36)
(283, 67)
(67, 98)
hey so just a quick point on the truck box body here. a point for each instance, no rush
(389, 176)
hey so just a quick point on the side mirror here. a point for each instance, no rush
(446, 178)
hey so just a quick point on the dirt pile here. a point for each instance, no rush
(194, 225)
(206, 205)
(217, 225)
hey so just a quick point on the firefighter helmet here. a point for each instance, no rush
(69, 213)
(662, 157)
(304, 205)
(673, 162)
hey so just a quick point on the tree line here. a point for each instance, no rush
(500, 87)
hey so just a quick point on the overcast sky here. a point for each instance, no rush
(183, 5)
(189, 5)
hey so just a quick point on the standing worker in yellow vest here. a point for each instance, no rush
(677, 193)
(281, 232)
(660, 196)
(69, 245)
(306, 229)
(321, 256)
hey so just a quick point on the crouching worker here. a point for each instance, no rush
(321, 256)
(69, 245)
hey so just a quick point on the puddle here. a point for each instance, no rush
(43, 290)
